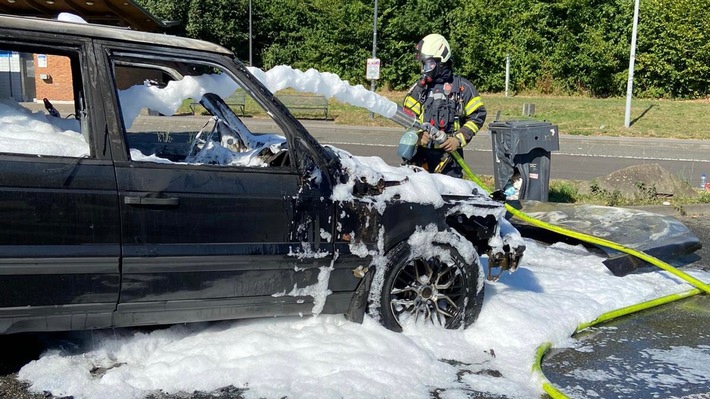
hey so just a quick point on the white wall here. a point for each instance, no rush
(10, 76)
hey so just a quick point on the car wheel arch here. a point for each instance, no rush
(468, 299)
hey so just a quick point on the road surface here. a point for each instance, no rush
(579, 157)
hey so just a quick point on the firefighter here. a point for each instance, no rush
(445, 100)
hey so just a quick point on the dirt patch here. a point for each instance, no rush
(643, 181)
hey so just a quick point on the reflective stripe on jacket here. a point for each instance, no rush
(469, 110)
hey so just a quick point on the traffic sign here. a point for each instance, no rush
(373, 68)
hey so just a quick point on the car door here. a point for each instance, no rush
(204, 240)
(59, 225)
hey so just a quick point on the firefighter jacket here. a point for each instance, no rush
(453, 105)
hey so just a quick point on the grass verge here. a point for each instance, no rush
(585, 192)
(573, 115)
(571, 192)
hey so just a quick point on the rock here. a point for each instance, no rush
(645, 181)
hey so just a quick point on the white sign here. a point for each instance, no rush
(373, 69)
(41, 60)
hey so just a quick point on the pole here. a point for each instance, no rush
(632, 59)
(250, 60)
(507, 73)
(9, 75)
(374, 51)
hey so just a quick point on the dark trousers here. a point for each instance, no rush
(431, 158)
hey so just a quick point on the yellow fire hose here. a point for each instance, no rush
(542, 349)
(588, 238)
(409, 121)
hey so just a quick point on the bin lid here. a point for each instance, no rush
(518, 124)
(522, 136)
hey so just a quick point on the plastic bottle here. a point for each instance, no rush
(703, 180)
(408, 144)
(512, 188)
(509, 190)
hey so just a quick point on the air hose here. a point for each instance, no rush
(588, 238)
(407, 120)
(542, 349)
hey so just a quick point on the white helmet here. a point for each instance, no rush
(433, 46)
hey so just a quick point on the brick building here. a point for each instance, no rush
(32, 77)
(53, 77)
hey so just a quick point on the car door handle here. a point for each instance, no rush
(150, 201)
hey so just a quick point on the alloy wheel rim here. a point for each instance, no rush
(427, 290)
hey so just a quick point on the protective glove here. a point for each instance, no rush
(424, 139)
(451, 144)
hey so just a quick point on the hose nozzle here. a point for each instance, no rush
(405, 118)
(409, 121)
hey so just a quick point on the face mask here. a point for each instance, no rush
(430, 66)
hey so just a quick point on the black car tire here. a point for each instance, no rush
(452, 301)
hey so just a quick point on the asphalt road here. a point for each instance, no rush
(579, 157)
(621, 360)
(654, 354)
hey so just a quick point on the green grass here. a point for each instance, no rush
(605, 117)
(566, 191)
(586, 192)
(576, 115)
(573, 115)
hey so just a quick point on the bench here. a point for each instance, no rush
(236, 100)
(305, 103)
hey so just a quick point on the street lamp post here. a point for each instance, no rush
(632, 59)
(374, 51)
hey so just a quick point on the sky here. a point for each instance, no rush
(555, 289)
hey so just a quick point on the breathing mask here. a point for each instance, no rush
(430, 68)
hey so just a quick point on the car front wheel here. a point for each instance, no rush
(442, 290)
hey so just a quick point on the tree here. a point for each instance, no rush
(555, 46)
(673, 55)
(401, 25)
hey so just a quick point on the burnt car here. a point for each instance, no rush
(118, 212)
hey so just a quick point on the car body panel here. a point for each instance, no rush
(107, 240)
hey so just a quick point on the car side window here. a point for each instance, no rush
(42, 110)
(192, 113)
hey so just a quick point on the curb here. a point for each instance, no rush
(696, 209)
(688, 210)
